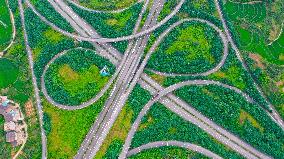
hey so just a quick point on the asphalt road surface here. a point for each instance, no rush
(34, 81)
(173, 103)
(185, 145)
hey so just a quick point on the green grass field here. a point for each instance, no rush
(8, 73)
(68, 128)
(5, 25)
(107, 5)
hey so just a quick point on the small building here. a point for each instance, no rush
(15, 113)
(105, 71)
(11, 136)
(9, 126)
(15, 138)
(14, 125)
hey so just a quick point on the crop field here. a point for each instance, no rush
(6, 29)
(145, 79)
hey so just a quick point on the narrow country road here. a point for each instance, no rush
(34, 81)
(185, 145)
(275, 115)
(227, 138)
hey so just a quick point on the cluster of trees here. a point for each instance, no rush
(43, 49)
(124, 23)
(168, 152)
(114, 149)
(169, 126)
(52, 15)
(265, 77)
(223, 106)
(46, 123)
(136, 101)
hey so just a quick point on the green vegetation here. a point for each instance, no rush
(168, 152)
(231, 111)
(69, 128)
(190, 48)
(46, 123)
(75, 77)
(112, 25)
(20, 89)
(109, 5)
(270, 78)
(45, 8)
(114, 149)
(258, 27)
(166, 125)
(8, 72)
(43, 47)
(113, 143)
(261, 42)
(6, 29)
(5, 148)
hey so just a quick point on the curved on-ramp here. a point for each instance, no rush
(72, 107)
(165, 33)
(106, 40)
(243, 148)
(206, 73)
(13, 27)
(102, 11)
(185, 145)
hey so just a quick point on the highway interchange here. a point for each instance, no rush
(129, 72)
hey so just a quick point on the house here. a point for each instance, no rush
(11, 136)
(9, 126)
(15, 138)
(14, 125)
